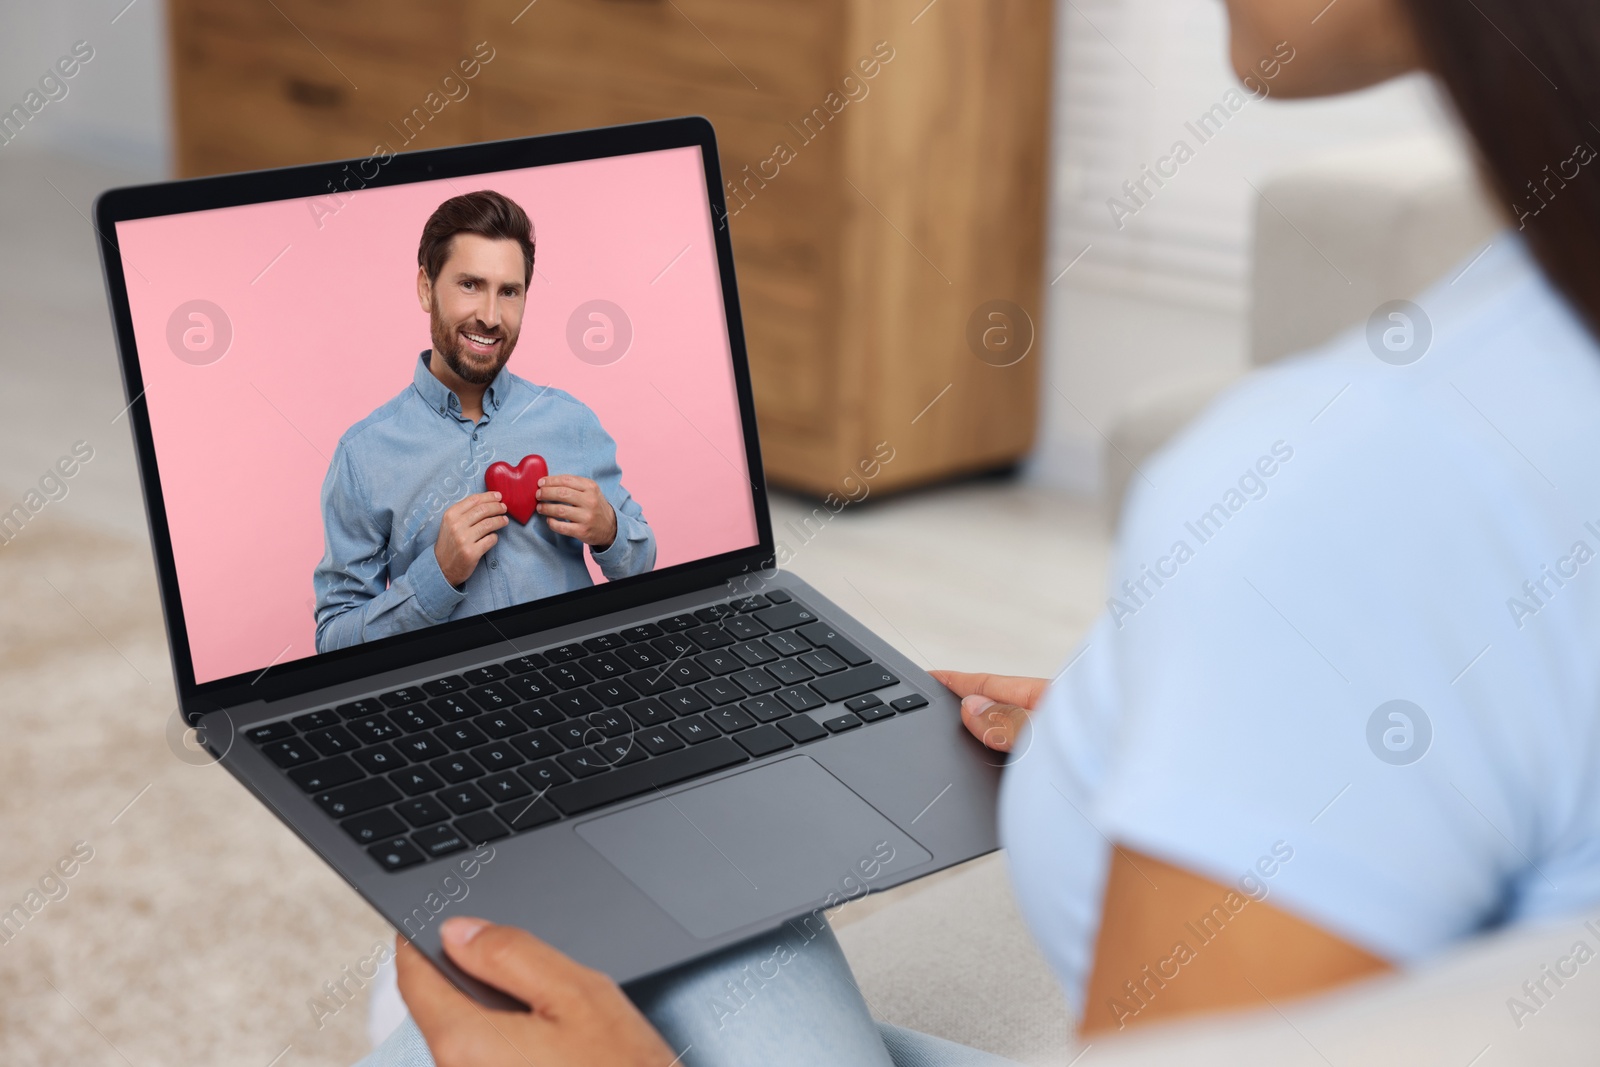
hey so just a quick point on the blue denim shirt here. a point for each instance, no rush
(397, 470)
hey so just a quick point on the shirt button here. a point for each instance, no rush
(493, 564)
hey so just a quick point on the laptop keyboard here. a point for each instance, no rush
(433, 768)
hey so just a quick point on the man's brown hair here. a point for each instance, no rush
(485, 213)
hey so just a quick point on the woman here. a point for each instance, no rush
(1349, 718)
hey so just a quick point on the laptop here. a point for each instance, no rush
(623, 727)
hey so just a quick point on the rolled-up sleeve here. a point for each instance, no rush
(633, 550)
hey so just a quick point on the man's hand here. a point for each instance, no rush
(994, 707)
(466, 532)
(575, 506)
(578, 1016)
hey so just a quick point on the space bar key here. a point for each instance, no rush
(589, 793)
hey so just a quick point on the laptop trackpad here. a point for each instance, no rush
(753, 846)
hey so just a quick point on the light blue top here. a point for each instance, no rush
(1336, 533)
(397, 470)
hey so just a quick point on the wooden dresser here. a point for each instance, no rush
(886, 161)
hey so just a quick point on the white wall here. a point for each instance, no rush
(1165, 297)
(116, 110)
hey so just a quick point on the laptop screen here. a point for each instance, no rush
(328, 414)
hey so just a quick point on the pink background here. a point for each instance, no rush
(332, 330)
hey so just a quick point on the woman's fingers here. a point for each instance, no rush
(997, 725)
(1005, 688)
(517, 962)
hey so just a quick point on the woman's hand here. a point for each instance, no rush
(994, 707)
(578, 1016)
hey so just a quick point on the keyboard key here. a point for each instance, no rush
(652, 682)
(577, 702)
(539, 713)
(755, 681)
(822, 661)
(359, 709)
(802, 728)
(439, 840)
(332, 741)
(532, 686)
(685, 672)
(648, 776)
(325, 774)
(799, 698)
(273, 731)
(421, 747)
(674, 645)
(505, 786)
(493, 697)
(452, 683)
(763, 741)
(315, 720)
(754, 653)
(396, 854)
(875, 712)
(853, 682)
(490, 672)
(374, 728)
(659, 741)
(497, 756)
(731, 720)
(460, 736)
(575, 734)
(457, 768)
(610, 723)
(861, 702)
(685, 702)
(565, 653)
(481, 827)
(910, 702)
(710, 637)
(605, 665)
(604, 642)
(621, 751)
(454, 707)
(537, 745)
(694, 729)
(411, 694)
(766, 709)
(642, 632)
(499, 724)
(742, 627)
(356, 798)
(840, 723)
(374, 826)
(824, 636)
(778, 596)
(523, 815)
(422, 811)
(714, 612)
(722, 661)
(749, 603)
(544, 774)
(790, 672)
(721, 691)
(638, 657)
(613, 693)
(380, 759)
(417, 780)
(415, 718)
(290, 753)
(583, 762)
(523, 664)
(786, 644)
(676, 623)
(568, 676)
(650, 712)
(785, 616)
(464, 798)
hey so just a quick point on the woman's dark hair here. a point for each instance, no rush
(485, 213)
(1525, 75)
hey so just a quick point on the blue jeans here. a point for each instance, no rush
(783, 998)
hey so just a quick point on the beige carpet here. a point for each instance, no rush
(201, 927)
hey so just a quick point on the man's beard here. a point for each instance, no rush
(447, 344)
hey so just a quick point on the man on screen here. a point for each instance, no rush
(411, 537)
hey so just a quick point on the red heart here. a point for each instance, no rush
(518, 486)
